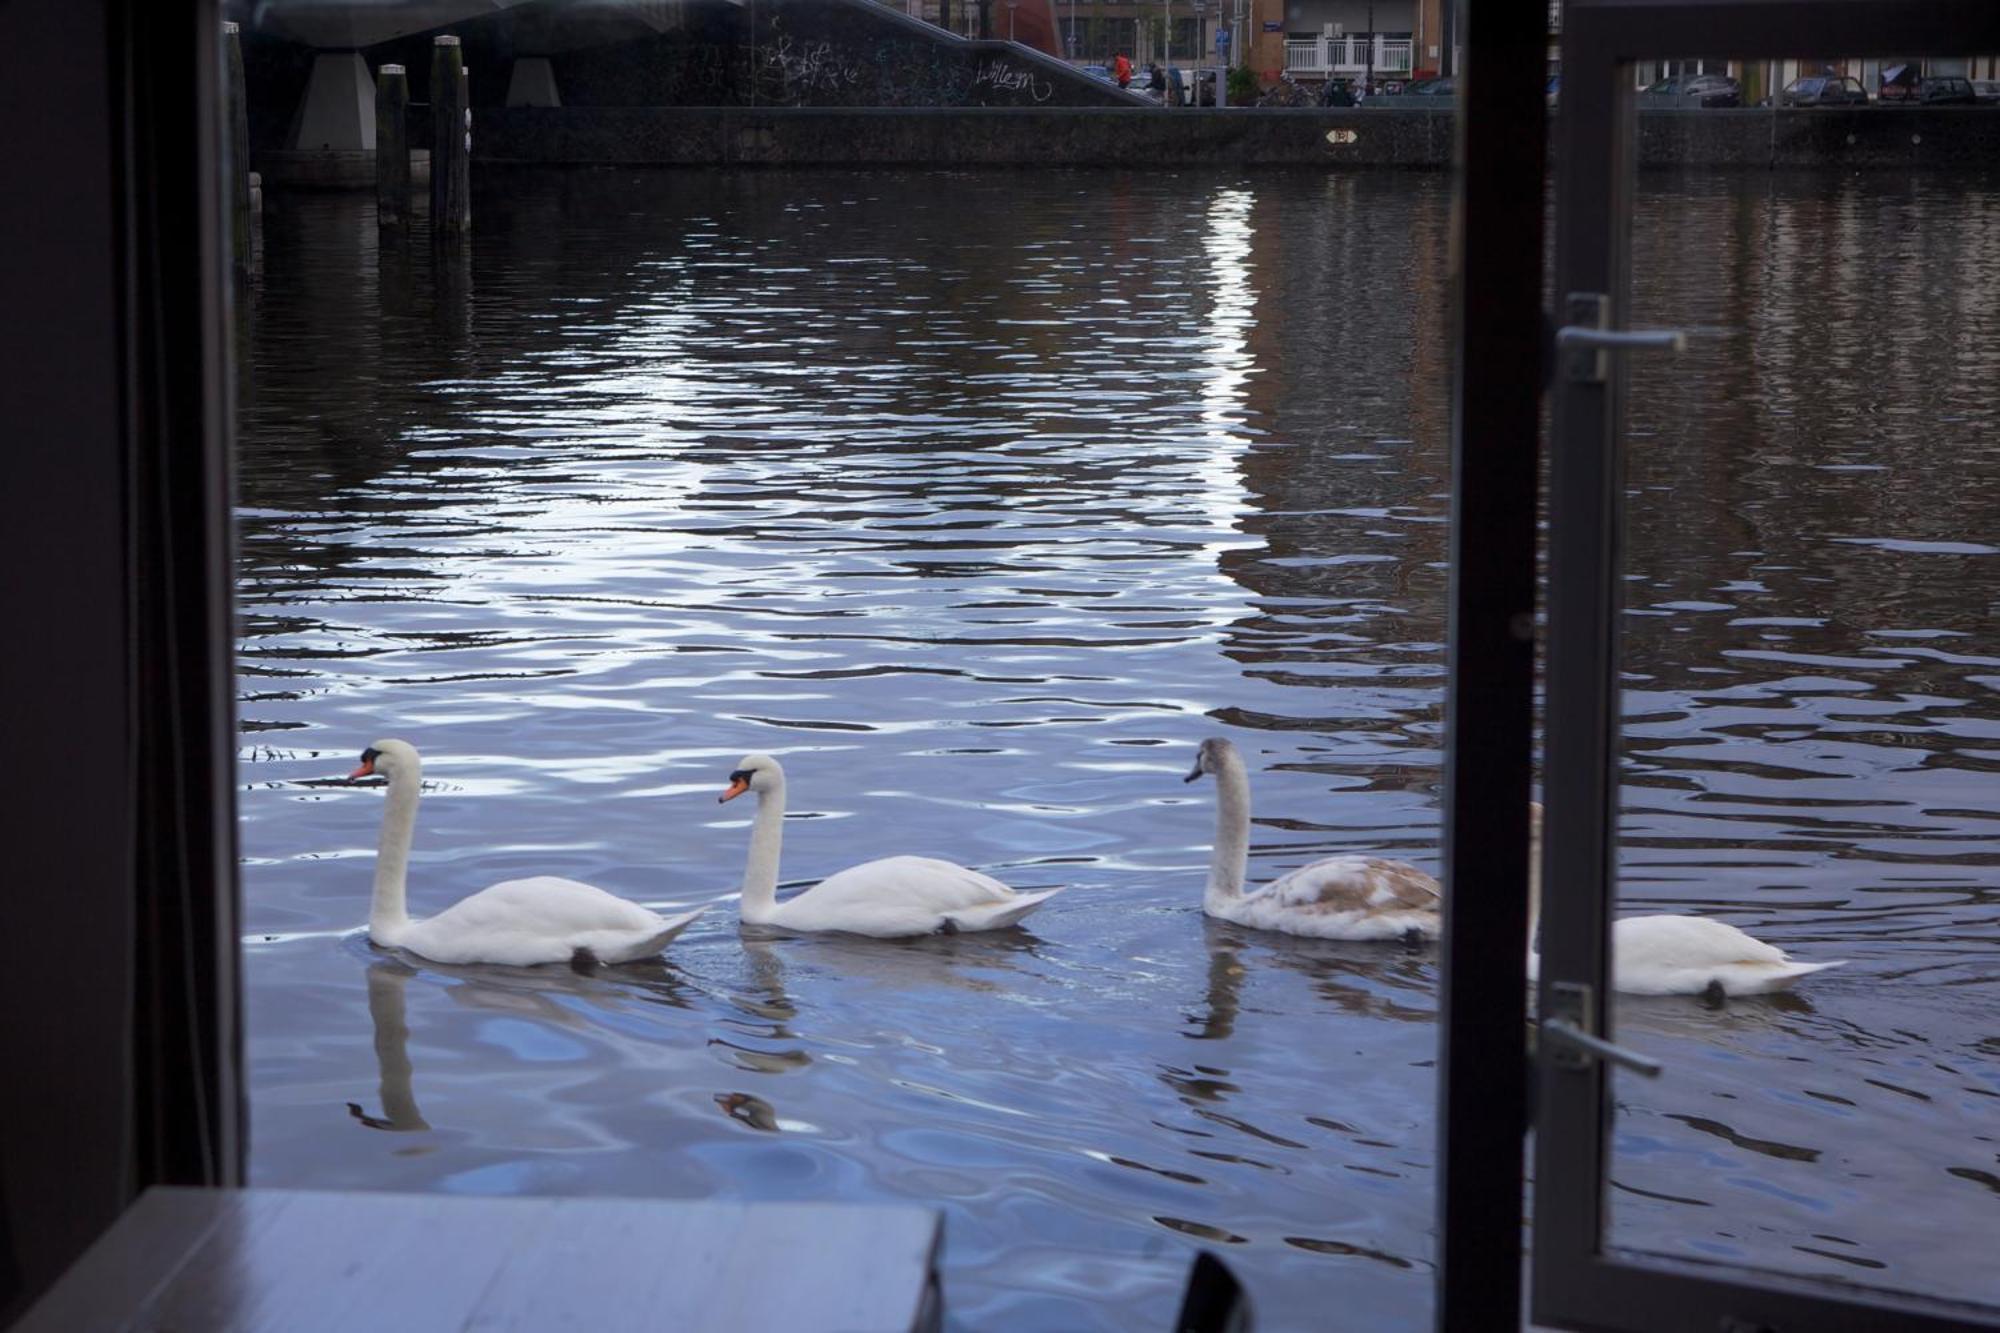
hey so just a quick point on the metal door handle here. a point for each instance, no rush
(1567, 1025)
(1583, 1048)
(1586, 342)
(1573, 335)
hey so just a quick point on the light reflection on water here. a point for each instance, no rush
(980, 499)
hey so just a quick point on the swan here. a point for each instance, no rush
(890, 898)
(1674, 955)
(518, 923)
(1340, 898)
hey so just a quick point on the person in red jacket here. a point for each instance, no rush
(1121, 69)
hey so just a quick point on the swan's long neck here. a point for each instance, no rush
(1230, 861)
(760, 872)
(388, 913)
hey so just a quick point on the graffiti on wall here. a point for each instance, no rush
(1007, 77)
(809, 67)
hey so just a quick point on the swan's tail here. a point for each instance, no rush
(1794, 970)
(652, 944)
(1770, 977)
(997, 916)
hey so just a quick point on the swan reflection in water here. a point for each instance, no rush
(779, 962)
(1358, 979)
(386, 982)
(766, 1001)
(535, 994)
(1362, 980)
(897, 966)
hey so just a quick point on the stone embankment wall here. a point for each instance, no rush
(1863, 138)
(1015, 138)
(1849, 138)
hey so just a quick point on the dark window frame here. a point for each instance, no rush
(1496, 405)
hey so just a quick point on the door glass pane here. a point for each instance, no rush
(1811, 699)
(980, 498)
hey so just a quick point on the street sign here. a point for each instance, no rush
(1222, 39)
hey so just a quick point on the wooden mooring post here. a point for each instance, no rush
(392, 147)
(239, 147)
(451, 140)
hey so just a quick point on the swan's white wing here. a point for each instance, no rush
(1355, 884)
(1686, 941)
(898, 895)
(522, 922)
(1343, 898)
(545, 904)
(1683, 955)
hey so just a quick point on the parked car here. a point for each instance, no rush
(1694, 90)
(1898, 84)
(1986, 90)
(1946, 90)
(1903, 86)
(1824, 90)
(1432, 93)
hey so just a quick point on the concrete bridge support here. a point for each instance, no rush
(533, 83)
(338, 110)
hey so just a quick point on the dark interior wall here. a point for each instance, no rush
(65, 973)
(117, 967)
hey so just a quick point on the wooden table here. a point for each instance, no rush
(294, 1261)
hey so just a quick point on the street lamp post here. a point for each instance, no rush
(1200, 54)
(1369, 83)
(1012, 5)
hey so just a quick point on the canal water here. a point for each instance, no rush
(981, 499)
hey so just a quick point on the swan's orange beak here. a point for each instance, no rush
(737, 786)
(367, 769)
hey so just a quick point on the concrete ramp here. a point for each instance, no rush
(786, 53)
(1048, 81)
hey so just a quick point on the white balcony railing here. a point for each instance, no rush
(1348, 55)
(1304, 57)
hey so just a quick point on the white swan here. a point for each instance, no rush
(1340, 898)
(893, 897)
(1674, 955)
(518, 923)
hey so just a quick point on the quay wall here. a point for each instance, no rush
(1870, 138)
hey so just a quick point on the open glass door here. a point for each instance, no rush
(1789, 1160)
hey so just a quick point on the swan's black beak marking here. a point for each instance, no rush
(368, 758)
(1195, 773)
(739, 782)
